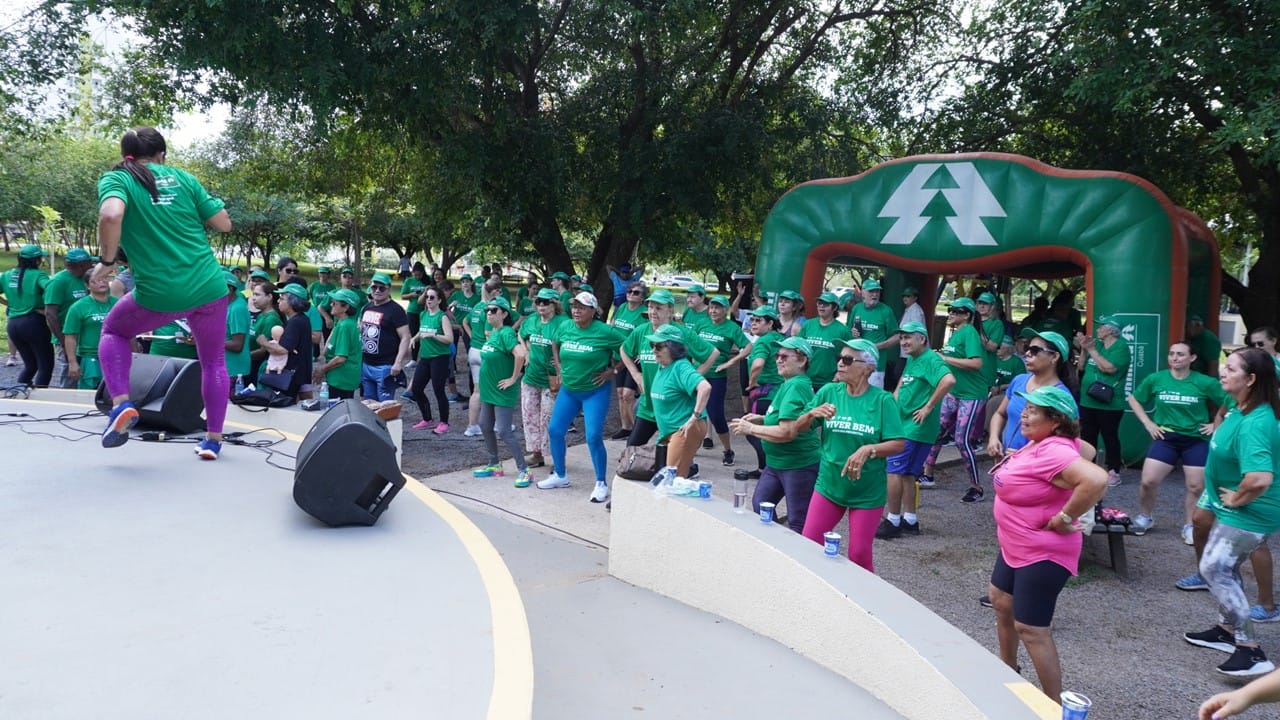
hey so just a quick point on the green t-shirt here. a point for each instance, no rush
(477, 323)
(1118, 355)
(238, 323)
(626, 319)
(641, 352)
(540, 336)
(318, 292)
(674, 395)
(724, 337)
(63, 290)
(766, 346)
(1207, 348)
(169, 347)
(878, 324)
(825, 340)
(1181, 406)
(262, 326)
(84, 321)
(993, 329)
(461, 303)
(695, 318)
(409, 286)
(497, 363)
(174, 268)
(1008, 369)
(585, 352)
(867, 419)
(964, 343)
(26, 299)
(430, 329)
(1244, 444)
(790, 401)
(344, 341)
(920, 377)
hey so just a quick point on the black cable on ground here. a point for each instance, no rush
(522, 517)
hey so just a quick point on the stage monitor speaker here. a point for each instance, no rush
(166, 391)
(346, 469)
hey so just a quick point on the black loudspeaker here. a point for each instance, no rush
(166, 391)
(346, 469)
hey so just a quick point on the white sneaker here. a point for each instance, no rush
(601, 493)
(473, 431)
(1187, 535)
(1141, 524)
(553, 481)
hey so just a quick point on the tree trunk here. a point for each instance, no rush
(357, 245)
(723, 281)
(541, 231)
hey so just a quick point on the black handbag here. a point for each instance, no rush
(1101, 392)
(278, 381)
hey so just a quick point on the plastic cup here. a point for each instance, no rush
(704, 490)
(766, 512)
(831, 544)
(1075, 706)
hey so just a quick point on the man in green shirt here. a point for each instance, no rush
(824, 334)
(926, 380)
(1204, 345)
(695, 307)
(63, 290)
(874, 321)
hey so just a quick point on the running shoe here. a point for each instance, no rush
(1113, 478)
(887, 530)
(1215, 638)
(488, 471)
(441, 429)
(910, 528)
(973, 495)
(1141, 524)
(425, 424)
(693, 471)
(473, 431)
(524, 479)
(984, 601)
(601, 492)
(729, 458)
(208, 449)
(119, 421)
(707, 444)
(1258, 613)
(926, 482)
(553, 481)
(1246, 662)
(1188, 536)
(622, 434)
(1191, 582)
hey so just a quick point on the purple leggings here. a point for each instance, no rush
(209, 328)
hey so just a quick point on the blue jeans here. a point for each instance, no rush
(377, 383)
(594, 405)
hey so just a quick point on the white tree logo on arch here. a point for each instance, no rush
(953, 191)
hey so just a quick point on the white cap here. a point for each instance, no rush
(586, 298)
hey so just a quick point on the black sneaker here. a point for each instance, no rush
(622, 434)
(728, 458)
(973, 495)
(926, 482)
(1215, 638)
(1246, 662)
(910, 528)
(887, 530)
(693, 471)
(985, 601)
(707, 444)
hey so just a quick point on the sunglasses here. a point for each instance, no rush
(542, 302)
(635, 292)
(849, 360)
(784, 356)
(659, 346)
(1259, 344)
(1034, 350)
(493, 311)
(433, 297)
(377, 288)
(291, 271)
(957, 311)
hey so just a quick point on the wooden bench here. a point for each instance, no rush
(1115, 545)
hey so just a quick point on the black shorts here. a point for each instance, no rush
(1034, 588)
(1193, 451)
(622, 379)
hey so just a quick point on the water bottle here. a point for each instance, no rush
(740, 478)
(324, 394)
(239, 384)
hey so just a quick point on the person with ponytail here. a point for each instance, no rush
(158, 215)
(22, 290)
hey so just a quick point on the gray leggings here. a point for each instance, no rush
(1226, 550)
(491, 415)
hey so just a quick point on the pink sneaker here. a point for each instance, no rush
(425, 424)
(441, 429)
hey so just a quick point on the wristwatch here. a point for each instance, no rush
(1066, 519)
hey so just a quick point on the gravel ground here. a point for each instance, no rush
(1119, 640)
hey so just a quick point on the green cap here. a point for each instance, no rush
(1006, 340)
(547, 294)
(559, 276)
(791, 295)
(292, 289)
(31, 251)
(864, 345)
(695, 289)
(231, 280)
(1049, 336)
(662, 297)
(847, 297)
(909, 290)
(347, 271)
(382, 278)
(798, 343)
(872, 284)
(466, 276)
(987, 298)
(914, 327)
(1111, 320)
(666, 333)
(1194, 317)
(584, 287)
(323, 269)
(345, 295)
(1052, 396)
(765, 311)
(964, 303)
(829, 298)
(78, 255)
(260, 275)
(500, 302)
(720, 300)
(576, 276)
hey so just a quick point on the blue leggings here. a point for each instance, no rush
(715, 406)
(594, 405)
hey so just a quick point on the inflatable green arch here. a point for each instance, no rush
(1144, 259)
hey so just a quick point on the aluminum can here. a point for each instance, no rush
(704, 490)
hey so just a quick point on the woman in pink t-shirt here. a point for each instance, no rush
(1040, 490)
